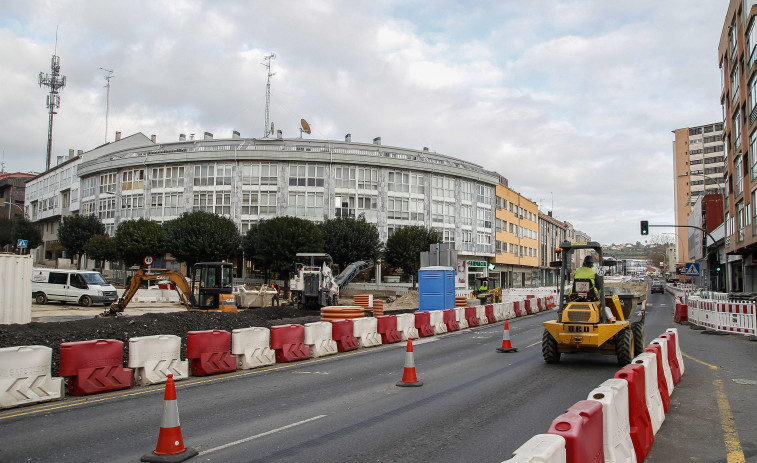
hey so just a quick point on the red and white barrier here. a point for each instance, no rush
(730, 317)
(318, 338)
(252, 346)
(542, 448)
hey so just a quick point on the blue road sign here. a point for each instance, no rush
(22, 244)
(692, 270)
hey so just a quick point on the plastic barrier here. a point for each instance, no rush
(616, 431)
(517, 308)
(662, 384)
(437, 321)
(651, 388)
(289, 343)
(252, 346)
(450, 319)
(539, 304)
(664, 364)
(528, 305)
(471, 317)
(508, 310)
(675, 370)
(25, 376)
(366, 331)
(481, 315)
(209, 352)
(681, 314)
(318, 337)
(642, 432)
(542, 448)
(95, 366)
(153, 358)
(423, 324)
(387, 328)
(489, 313)
(581, 426)
(462, 322)
(679, 356)
(341, 332)
(406, 326)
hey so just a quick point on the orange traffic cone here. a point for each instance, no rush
(506, 345)
(408, 375)
(170, 446)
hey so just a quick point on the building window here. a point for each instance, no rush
(737, 128)
(223, 204)
(306, 204)
(260, 173)
(166, 205)
(753, 150)
(483, 194)
(367, 178)
(306, 175)
(484, 217)
(484, 243)
(466, 192)
(259, 203)
(108, 183)
(212, 174)
(132, 206)
(442, 212)
(751, 41)
(740, 217)
(167, 177)
(345, 177)
(132, 179)
(738, 173)
(442, 187)
(345, 206)
(466, 214)
(106, 208)
(735, 81)
(203, 201)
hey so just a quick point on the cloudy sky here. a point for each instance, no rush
(573, 101)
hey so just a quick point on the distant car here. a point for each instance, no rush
(657, 287)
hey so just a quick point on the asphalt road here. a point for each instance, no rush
(475, 405)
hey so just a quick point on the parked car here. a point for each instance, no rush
(657, 287)
(78, 286)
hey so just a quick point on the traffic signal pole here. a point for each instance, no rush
(725, 273)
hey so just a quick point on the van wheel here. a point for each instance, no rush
(40, 298)
(85, 301)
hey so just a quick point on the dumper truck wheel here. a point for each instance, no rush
(549, 348)
(624, 347)
(638, 336)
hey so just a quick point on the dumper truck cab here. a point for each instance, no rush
(590, 318)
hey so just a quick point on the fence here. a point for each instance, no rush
(719, 314)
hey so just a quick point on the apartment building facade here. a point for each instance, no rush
(516, 261)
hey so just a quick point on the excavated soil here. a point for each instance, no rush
(52, 334)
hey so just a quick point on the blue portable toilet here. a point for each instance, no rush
(436, 288)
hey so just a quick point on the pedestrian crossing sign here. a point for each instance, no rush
(692, 270)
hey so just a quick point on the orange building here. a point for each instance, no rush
(516, 262)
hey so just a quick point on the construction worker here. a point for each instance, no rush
(484, 287)
(586, 271)
(275, 300)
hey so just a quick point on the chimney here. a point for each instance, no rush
(279, 134)
(208, 136)
(549, 213)
(235, 135)
(70, 153)
(80, 152)
(425, 149)
(59, 159)
(153, 138)
(118, 136)
(182, 137)
(348, 138)
(377, 141)
(191, 136)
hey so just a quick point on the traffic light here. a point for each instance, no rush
(717, 269)
(644, 227)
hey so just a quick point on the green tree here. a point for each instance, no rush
(274, 242)
(136, 239)
(403, 248)
(102, 248)
(348, 240)
(75, 231)
(202, 237)
(23, 229)
(6, 229)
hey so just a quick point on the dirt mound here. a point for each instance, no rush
(122, 328)
(407, 301)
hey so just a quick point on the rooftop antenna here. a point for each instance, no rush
(108, 76)
(2, 163)
(56, 82)
(304, 127)
(267, 64)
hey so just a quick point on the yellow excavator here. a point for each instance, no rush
(484, 291)
(588, 319)
(209, 290)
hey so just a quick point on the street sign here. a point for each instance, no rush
(692, 269)
(147, 260)
(22, 244)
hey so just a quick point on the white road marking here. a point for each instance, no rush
(272, 431)
(531, 345)
(424, 341)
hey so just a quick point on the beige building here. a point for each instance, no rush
(516, 238)
(698, 169)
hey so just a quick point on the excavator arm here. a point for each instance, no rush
(182, 287)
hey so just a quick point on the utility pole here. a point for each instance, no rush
(56, 82)
(108, 76)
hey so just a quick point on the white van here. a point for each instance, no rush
(79, 286)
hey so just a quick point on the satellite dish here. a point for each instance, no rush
(305, 126)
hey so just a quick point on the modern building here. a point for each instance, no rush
(552, 232)
(737, 54)
(698, 169)
(251, 179)
(516, 238)
(12, 193)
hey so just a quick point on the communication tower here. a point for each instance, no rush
(267, 64)
(108, 76)
(56, 82)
